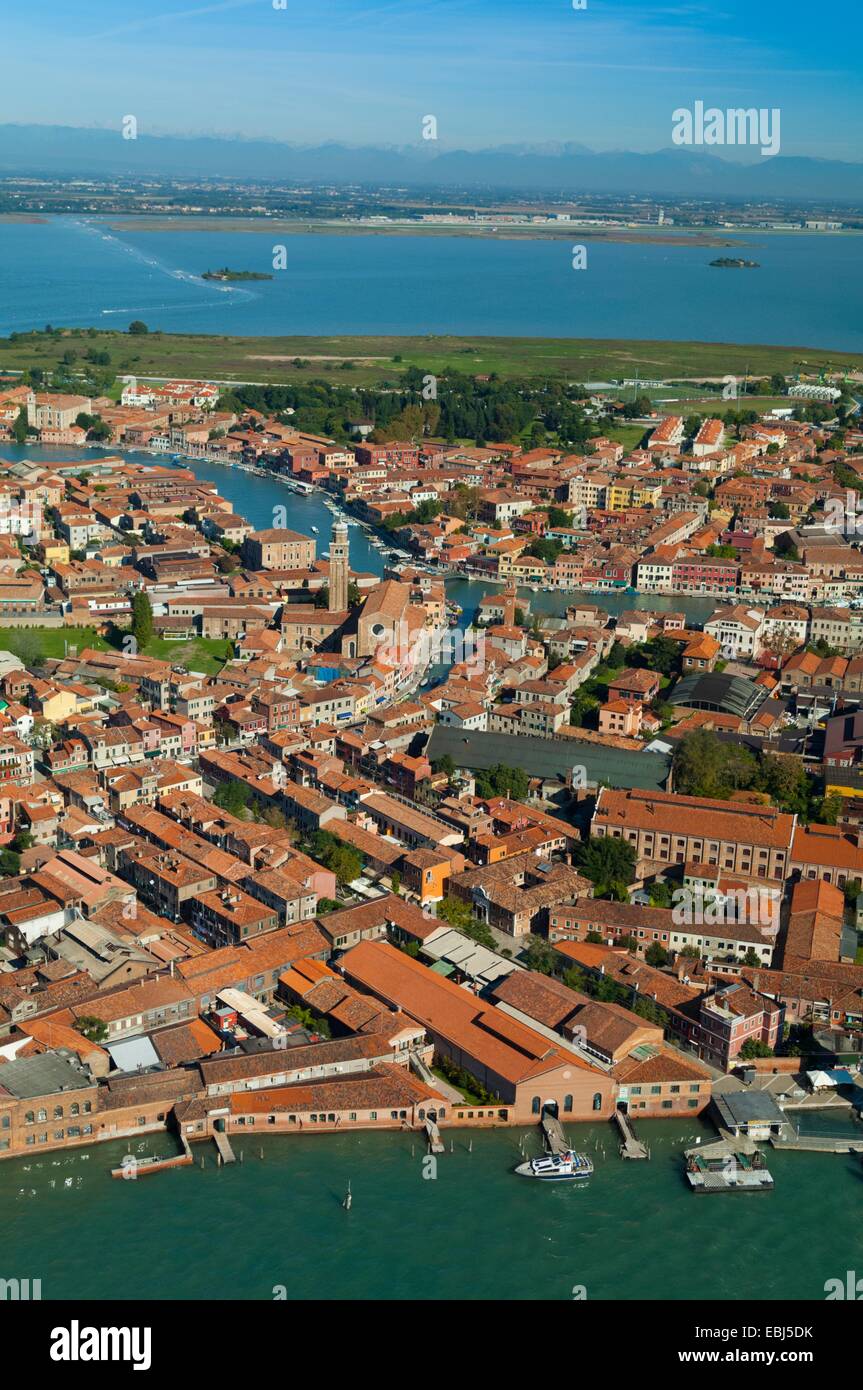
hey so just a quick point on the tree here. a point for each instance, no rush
(345, 863)
(94, 1029)
(480, 933)
(752, 1048)
(609, 863)
(137, 328)
(501, 780)
(705, 766)
(787, 782)
(232, 796)
(459, 914)
(575, 979)
(830, 808)
(10, 863)
(20, 429)
(661, 654)
(656, 954)
(308, 1019)
(660, 894)
(539, 955)
(26, 646)
(142, 620)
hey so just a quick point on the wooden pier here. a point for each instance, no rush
(553, 1136)
(226, 1153)
(436, 1144)
(630, 1147)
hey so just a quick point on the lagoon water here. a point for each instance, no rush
(78, 272)
(476, 1231)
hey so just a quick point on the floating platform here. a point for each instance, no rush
(142, 1167)
(730, 1170)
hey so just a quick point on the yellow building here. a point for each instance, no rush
(54, 552)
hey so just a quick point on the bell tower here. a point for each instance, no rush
(339, 568)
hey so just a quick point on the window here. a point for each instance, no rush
(535, 1105)
(567, 1105)
(597, 1101)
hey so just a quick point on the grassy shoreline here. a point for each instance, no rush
(371, 360)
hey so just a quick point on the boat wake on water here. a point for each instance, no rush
(171, 272)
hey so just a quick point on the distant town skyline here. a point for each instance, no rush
(492, 72)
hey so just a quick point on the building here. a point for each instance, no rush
(278, 549)
(749, 842)
(719, 1025)
(527, 1071)
(515, 894)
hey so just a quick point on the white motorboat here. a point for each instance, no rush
(565, 1167)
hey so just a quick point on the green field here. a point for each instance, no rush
(226, 359)
(49, 641)
(44, 643)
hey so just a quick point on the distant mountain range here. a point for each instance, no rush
(567, 168)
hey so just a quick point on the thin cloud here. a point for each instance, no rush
(172, 16)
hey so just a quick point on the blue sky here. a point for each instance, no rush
(493, 72)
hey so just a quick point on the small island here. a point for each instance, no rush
(735, 263)
(226, 274)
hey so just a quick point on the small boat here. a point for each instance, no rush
(314, 530)
(565, 1167)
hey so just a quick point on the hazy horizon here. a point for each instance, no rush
(493, 73)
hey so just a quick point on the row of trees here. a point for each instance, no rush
(706, 765)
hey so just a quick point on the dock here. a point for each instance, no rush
(436, 1144)
(817, 1143)
(143, 1167)
(226, 1153)
(723, 1167)
(630, 1146)
(553, 1136)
